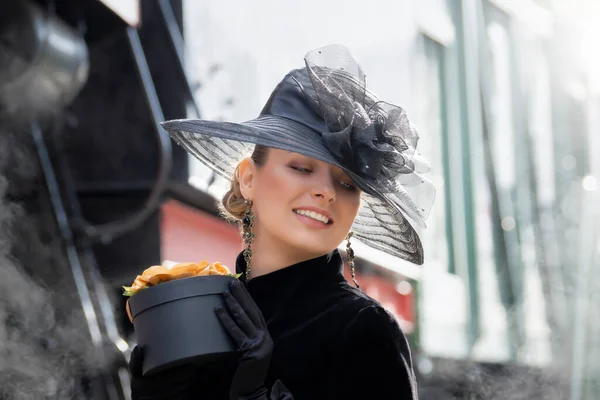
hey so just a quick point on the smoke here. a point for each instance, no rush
(476, 381)
(518, 384)
(44, 350)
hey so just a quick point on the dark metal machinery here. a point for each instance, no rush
(93, 104)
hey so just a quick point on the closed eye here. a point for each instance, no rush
(300, 169)
(348, 186)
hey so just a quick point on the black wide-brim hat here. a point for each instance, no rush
(325, 112)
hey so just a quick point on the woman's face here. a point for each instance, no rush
(301, 204)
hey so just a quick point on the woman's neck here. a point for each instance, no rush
(269, 257)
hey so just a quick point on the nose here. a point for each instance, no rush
(324, 188)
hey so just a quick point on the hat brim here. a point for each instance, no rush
(381, 222)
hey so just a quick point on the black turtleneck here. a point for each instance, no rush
(332, 341)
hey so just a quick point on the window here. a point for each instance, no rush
(430, 120)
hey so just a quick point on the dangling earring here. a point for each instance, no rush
(350, 253)
(248, 235)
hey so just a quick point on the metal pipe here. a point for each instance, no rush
(85, 246)
(110, 230)
(178, 44)
(73, 258)
(65, 231)
(44, 63)
(178, 47)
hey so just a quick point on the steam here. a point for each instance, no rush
(44, 351)
(495, 382)
(518, 383)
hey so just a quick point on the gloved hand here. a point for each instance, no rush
(169, 384)
(245, 324)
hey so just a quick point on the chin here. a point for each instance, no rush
(313, 246)
(311, 241)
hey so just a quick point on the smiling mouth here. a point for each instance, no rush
(314, 215)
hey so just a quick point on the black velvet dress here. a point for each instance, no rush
(331, 340)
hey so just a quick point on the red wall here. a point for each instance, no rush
(188, 234)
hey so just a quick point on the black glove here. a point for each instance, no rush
(169, 384)
(245, 324)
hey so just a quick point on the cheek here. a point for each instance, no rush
(348, 210)
(280, 184)
(273, 195)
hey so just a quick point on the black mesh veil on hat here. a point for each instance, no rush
(324, 111)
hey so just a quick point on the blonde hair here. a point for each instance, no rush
(233, 206)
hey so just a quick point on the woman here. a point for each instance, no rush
(329, 161)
